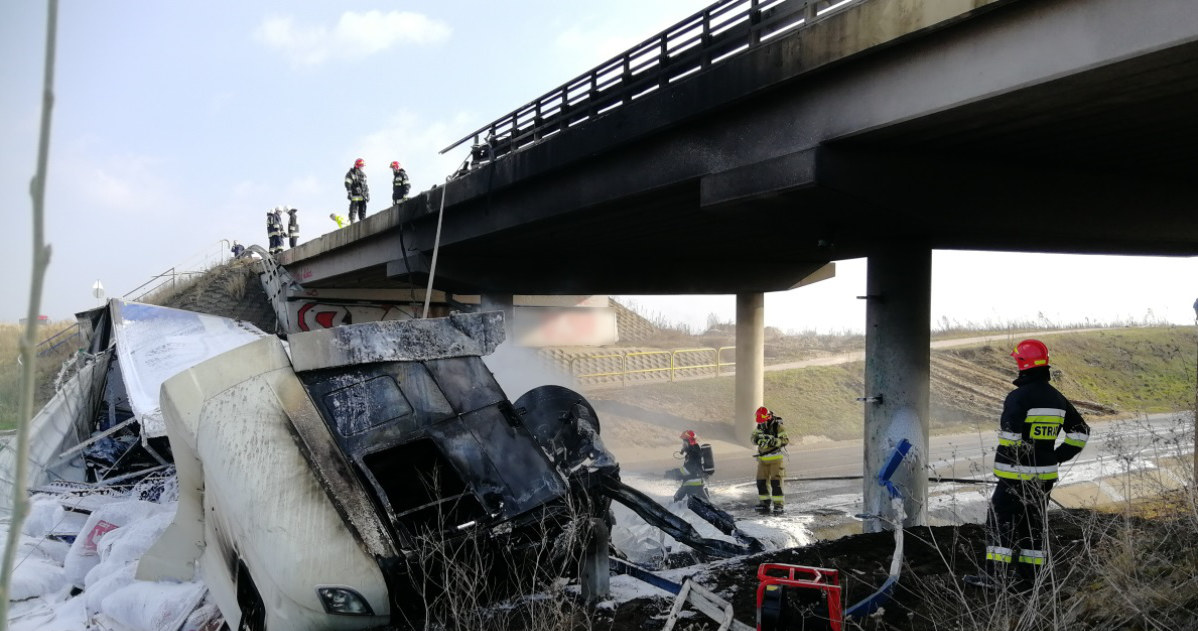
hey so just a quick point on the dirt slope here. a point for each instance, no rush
(231, 290)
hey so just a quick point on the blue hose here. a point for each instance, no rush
(870, 604)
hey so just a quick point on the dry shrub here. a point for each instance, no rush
(499, 578)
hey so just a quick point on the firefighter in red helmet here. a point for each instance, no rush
(400, 184)
(769, 437)
(357, 190)
(1039, 429)
(692, 467)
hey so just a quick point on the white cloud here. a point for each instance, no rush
(355, 36)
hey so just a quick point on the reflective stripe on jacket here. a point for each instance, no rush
(1035, 415)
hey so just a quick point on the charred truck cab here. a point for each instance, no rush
(309, 474)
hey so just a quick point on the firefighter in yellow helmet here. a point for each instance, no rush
(769, 437)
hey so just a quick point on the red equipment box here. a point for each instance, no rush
(798, 597)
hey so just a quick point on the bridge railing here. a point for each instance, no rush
(720, 31)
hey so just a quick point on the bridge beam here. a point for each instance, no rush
(897, 335)
(750, 361)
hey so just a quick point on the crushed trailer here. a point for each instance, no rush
(349, 449)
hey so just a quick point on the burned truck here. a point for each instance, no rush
(310, 471)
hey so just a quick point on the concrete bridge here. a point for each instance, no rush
(755, 142)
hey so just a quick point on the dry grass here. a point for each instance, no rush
(1129, 566)
(10, 370)
(469, 579)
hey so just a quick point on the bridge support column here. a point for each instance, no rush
(897, 334)
(499, 302)
(750, 362)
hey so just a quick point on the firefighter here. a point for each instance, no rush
(293, 226)
(692, 467)
(237, 249)
(274, 229)
(399, 183)
(770, 438)
(337, 219)
(356, 190)
(1035, 415)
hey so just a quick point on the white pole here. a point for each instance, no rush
(432, 269)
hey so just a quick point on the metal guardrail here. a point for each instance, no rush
(634, 363)
(705, 39)
(52, 343)
(198, 265)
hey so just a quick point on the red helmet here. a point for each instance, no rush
(688, 436)
(359, 163)
(764, 414)
(395, 166)
(1030, 354)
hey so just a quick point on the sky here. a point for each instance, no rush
(176, 126)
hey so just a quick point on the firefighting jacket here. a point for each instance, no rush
(293, 225)
(400, 184)
(273, 227)
(1035, 415)
(355, 185)
(692, 465)
(770, 437)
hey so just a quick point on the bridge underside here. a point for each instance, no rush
(904, 147)
(1064, 126)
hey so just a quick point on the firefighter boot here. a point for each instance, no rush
(763, 507)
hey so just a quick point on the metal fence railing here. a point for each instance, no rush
(646, 366)
(197, 265)
(58, 340)
(705, 39)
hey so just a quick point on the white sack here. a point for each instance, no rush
(84, 554)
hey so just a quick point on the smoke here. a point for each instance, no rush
(519, 369)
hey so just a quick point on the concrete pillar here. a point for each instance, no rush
(897, 334)
(499, 302)
(750, 361)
